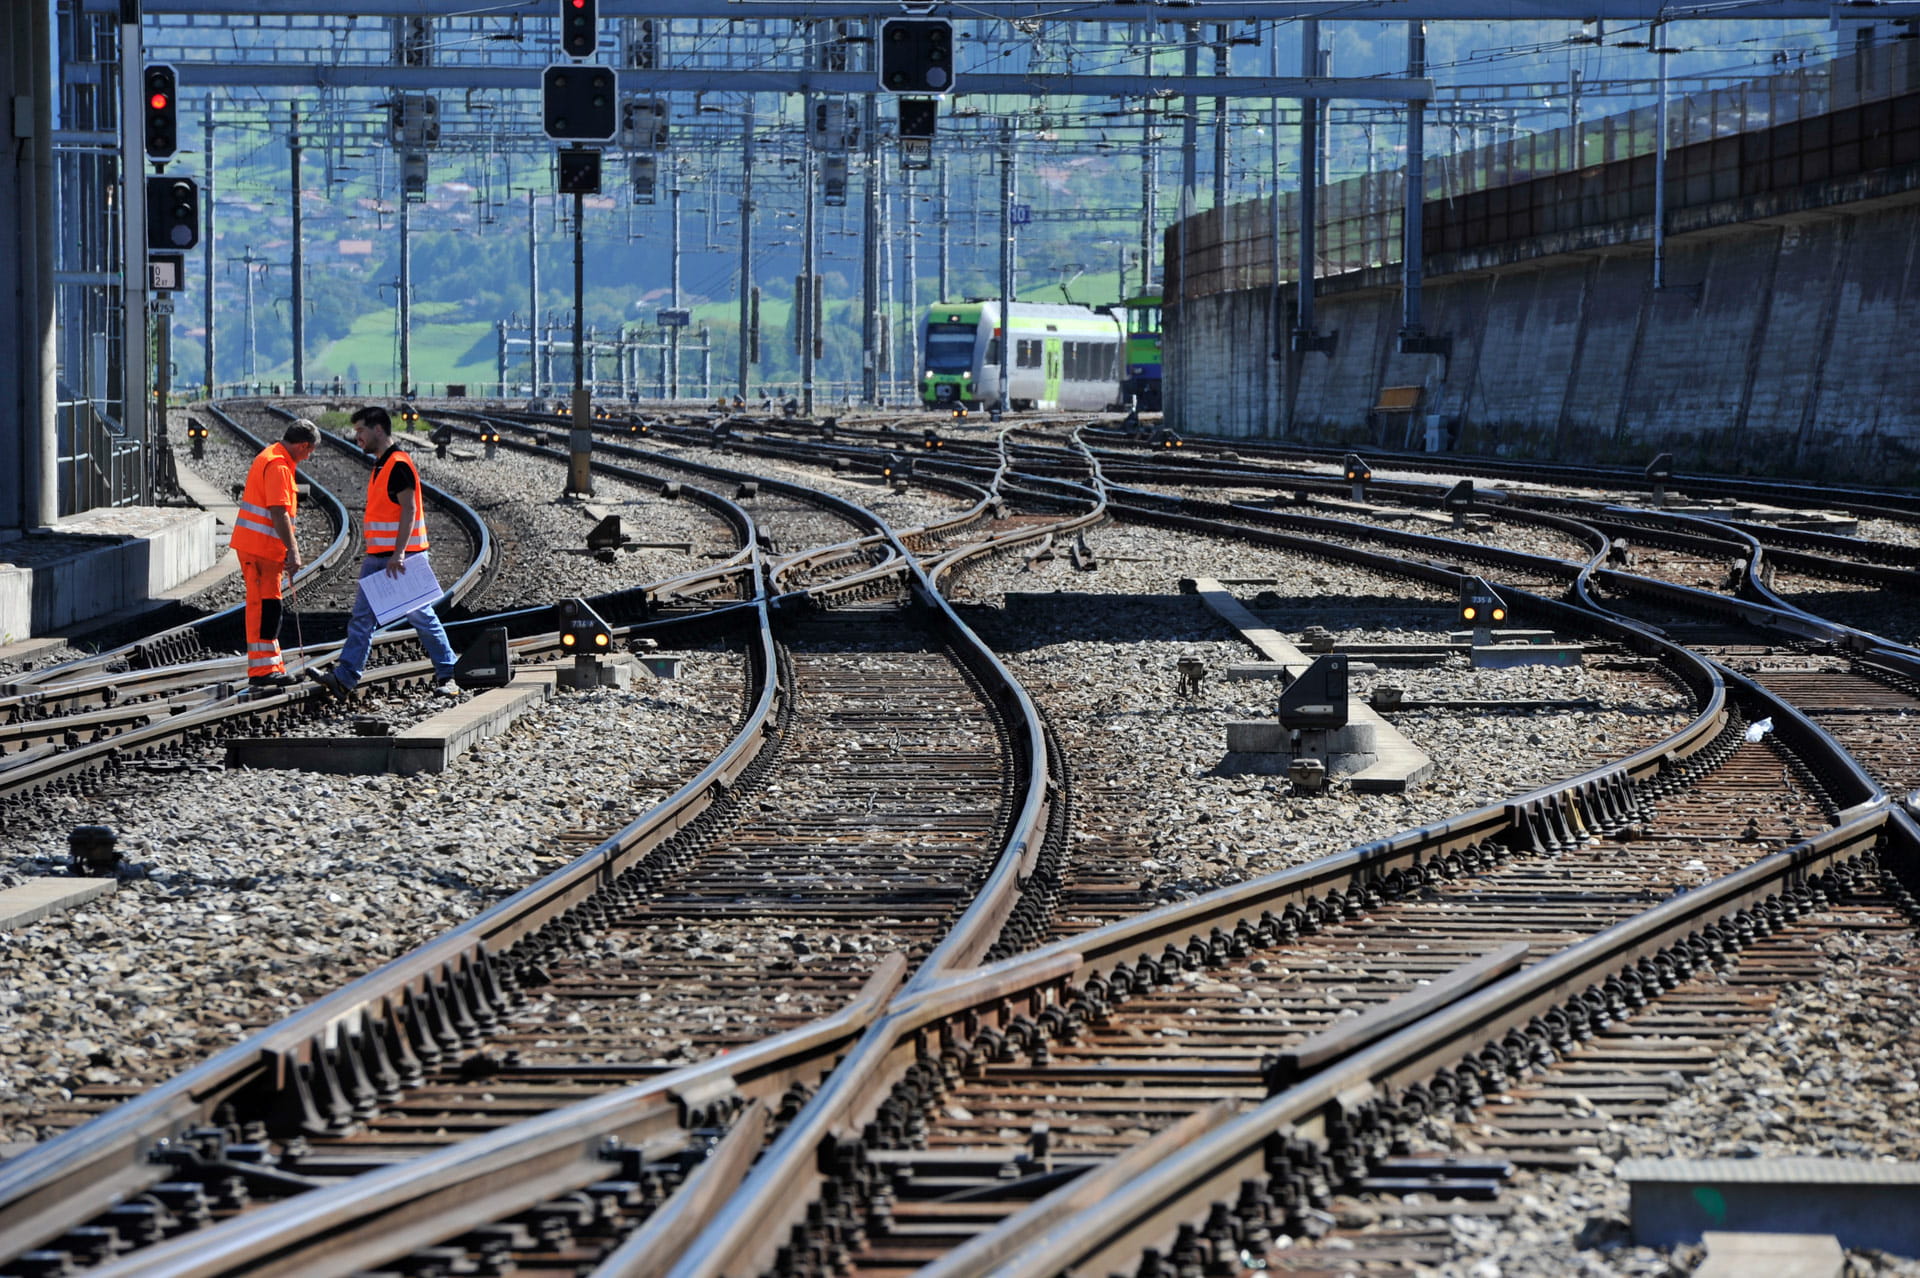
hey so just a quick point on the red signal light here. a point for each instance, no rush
(158, 101)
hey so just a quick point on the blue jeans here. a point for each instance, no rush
(360, 627)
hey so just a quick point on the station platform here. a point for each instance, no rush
(101, 564)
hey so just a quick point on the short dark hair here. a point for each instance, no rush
(374, 415)
(301, 431)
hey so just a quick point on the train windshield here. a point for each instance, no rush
(950, 348)
(1143, 319)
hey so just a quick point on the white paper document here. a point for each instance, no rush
(414, 588)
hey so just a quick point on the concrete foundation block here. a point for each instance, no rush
(1861, 1204)
(1501, 656)
(100, 562)
(604, 672)
(1256, 670)
(429, 746)
(38, 898)
(16, 604)
(434, 745)
(1775, 1255)
(1504, 636)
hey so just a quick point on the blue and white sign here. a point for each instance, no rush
(1019, 214)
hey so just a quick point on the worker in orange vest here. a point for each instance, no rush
(268, 551)
(396, 527)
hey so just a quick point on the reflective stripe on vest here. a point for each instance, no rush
(253, 531)
(382, 522)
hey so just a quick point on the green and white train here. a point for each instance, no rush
(1060, 357)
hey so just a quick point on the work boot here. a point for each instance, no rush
(276, 682)
(330, 682)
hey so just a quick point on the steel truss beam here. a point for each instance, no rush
(1168, 11)
(456, 79)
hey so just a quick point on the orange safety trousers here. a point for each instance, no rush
(262, 577)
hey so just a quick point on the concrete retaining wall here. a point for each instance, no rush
(100, 562)
(1781, 346)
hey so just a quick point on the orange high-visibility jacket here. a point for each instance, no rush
(270, 482)
(383, 512)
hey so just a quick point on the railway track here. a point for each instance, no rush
(969, 1110)
(415, 1027)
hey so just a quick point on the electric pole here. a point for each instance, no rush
(299, 259)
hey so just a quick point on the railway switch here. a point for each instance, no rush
(1358, 473)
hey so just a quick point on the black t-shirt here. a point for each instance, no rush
(400, 479)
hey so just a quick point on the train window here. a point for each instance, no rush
(950, 348)
(992, 358)
(1029, 352)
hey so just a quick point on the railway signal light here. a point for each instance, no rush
(1358, 473)
(1659, 473)
(579, 171)
(582, 632)
(491, 438)
(197, 436)
(918, 119)
(580, 103)
(173, 213)
(162, 110)
(932, 440)
(579, 28)
(916, 55)
(1317, 698)
(1167, 439)
(1480, 605)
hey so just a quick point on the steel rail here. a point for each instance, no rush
(1898, 504)
(1346, 1109)
(361, 1223)
(287, 1056)
(83, 1171)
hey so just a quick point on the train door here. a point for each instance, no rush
(1050, 396)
